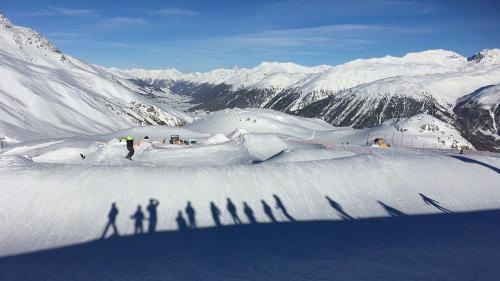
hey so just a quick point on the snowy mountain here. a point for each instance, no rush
(478, 116)
(373, 103)
(49, 94)
(290, 87)
(362, 93)
(45, 93)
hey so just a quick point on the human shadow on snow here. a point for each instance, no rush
(393, 212)
(431, 202)
(421, 247)
(339, 209)
(473, 161)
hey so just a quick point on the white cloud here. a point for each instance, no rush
(122, 22)
(173, 12)
(74, 12)
(60, 11)
(341, 35)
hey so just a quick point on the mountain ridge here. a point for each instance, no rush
(362, 93)
(45, 93)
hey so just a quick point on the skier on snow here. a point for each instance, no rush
(130, 147)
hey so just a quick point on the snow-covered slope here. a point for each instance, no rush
(419, 131)
(478, 116)
(362, 93)
(265, 75)
(319, 78)
(158, 74)
(284, 174)
(54, 198)
(371, 104)
(294, 87)
(52, 205)
(231, 121)
(44, 93)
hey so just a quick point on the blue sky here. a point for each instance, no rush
(203, 35)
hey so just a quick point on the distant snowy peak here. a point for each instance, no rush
(5, 22)
(264, 76)
(432, 57)
(153, 74)
(478, 116)
(287, 67)
(489, 96)
(285, 76)
(488, 56)
(435, 56)
(371, 104)
(332, 78)
(27, 44)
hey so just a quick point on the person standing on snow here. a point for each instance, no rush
(153, 204)
(113, 213)
(138, 217)
(130, 147)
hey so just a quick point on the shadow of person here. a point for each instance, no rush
(191, 213)
(113, 213)
(249, 213)
(231, 208)
(138, 218)
(280, 206)
(434, 203)
(153, 218)
(181, 222)
(393, 212)
(339, 209)
(268, 211)
(470, 160)
(215, 214)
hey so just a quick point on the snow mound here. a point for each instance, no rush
(424, 126)
(258, 121)
(53, 205)
(264, 146)
(53, 197)
(304, 155)
(217, 139)
(238, 133)
(420, 131)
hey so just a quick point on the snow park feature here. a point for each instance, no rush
(398, 189)
(362, 204)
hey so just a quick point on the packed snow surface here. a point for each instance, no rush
(52, 197)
